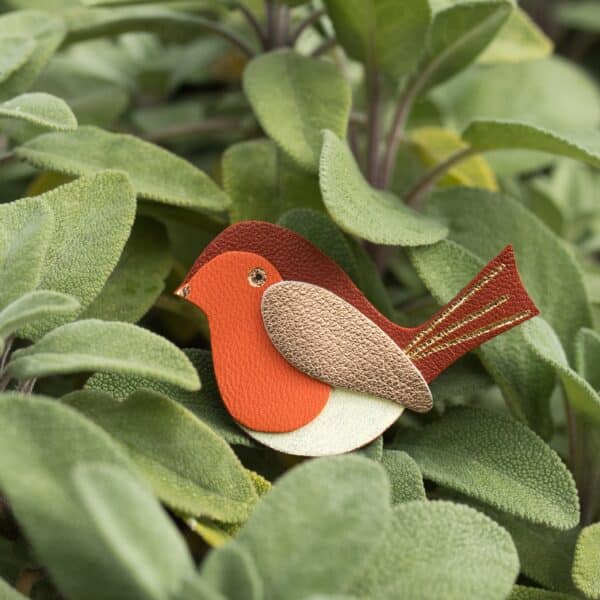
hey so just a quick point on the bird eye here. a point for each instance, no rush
(257, 277)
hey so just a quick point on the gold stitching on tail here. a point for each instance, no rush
(452, 328)
(475, 334)
(454, 306)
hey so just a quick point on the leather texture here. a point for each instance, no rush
(327, 338)
(260, 389)
(349, 421)
(476, 314)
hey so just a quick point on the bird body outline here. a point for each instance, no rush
(276, 386)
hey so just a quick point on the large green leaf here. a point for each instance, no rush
(134, 531)
(317, 526)
(372, 214)
(519, 40)
(41, 442)
(582, 397)
(92, 220)
(383, 34)
(586, 564)
(497, 460)
(41, 112)
(138, 278)
(458, 35)
(405, 476)
(154, 172)
(504, 135)
(206, 403)
(45, 33)
(93, 345)
(558, 97)
(26, 227)
(231, 570)
(263, 182)
(439, 550)
(35, 305)
(188, 466)
(295, 98)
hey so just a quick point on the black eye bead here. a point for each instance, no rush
(257, 277)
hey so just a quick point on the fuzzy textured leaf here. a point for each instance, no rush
(42, 111)
(26, 227)
(586, 564)
(440, 550)
(155, 173)
(46, 440)
(504, 135)
(92, 220)
(189, 467)
(295, 98)
(405, 476)
(94, 345)
(372, 214)
(139, 277)
(263, 182)
(326, 515)
(458, 35)
(134, 530)
(385, 35)
(521, 476)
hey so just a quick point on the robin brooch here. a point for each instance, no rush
(305, 363)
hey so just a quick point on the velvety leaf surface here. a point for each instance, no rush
(93, 345)
(586, 564)
(231, 570)
(15, 51)
(7, 592)
(440, 550)
(405, 476)
(45, 33)
(263, 182)
(587, 356)
(521, 592)
(520, 39)
(155, 173)
(326, 515)
(205, 403)
(92, 220)
(521, 476)
(44, 111)
(295, 98)
(188, 466)
(35, 305)
(458, 35)
(139, 277)
(132, 527)
(582, 397)
(383, 34)
(41, 442)
(503, 135)
(361, 210)
(26, 227)
(582, 15)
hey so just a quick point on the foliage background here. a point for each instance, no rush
(410, 141)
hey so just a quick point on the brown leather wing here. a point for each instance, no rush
(325, 337)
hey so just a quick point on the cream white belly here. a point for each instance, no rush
(348, 421)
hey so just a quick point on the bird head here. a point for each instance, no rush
(231, 280)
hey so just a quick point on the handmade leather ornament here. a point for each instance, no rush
(305, 363)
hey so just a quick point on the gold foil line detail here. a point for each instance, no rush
(478, 333)
(468, 319)
(454, 306)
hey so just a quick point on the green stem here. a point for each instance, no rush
(211, 126)
(324, 47)
(4, 381)
(5, 353)
(26, 386)
(304, 25)
(231, 37)
(253, 22)
(428, 181)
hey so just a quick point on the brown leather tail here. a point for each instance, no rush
(493, 302)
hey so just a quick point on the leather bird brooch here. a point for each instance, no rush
(305, 363)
